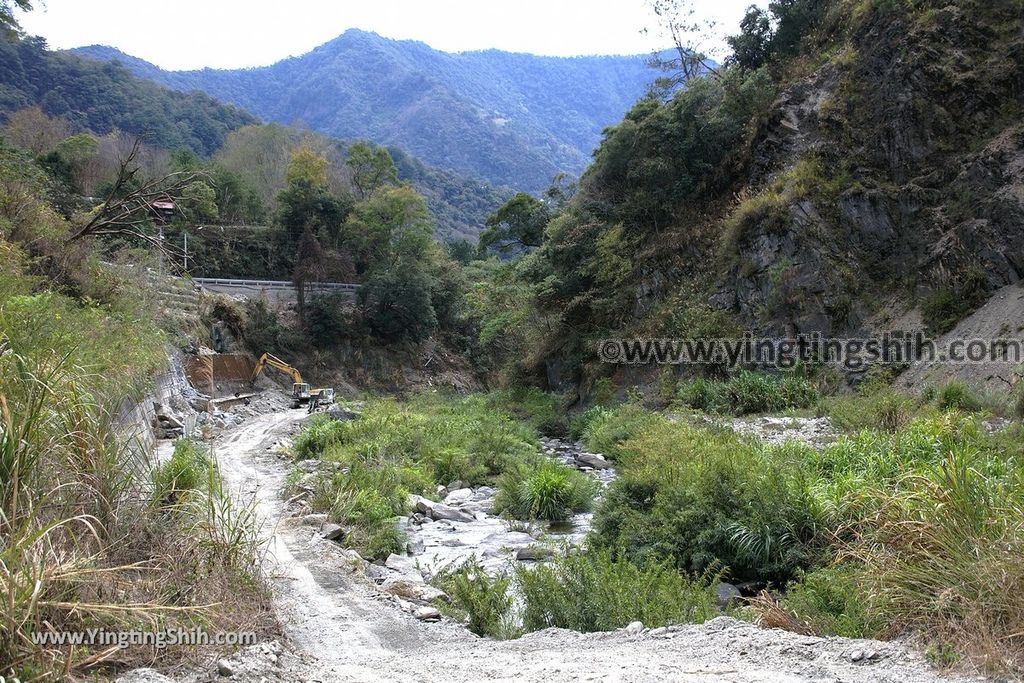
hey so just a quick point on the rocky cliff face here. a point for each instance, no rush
(893, 167)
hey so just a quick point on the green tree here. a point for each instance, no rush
(750, 48)
(518, 224)
(306, 167)
(396, 304)
(303, 205)
(199, 202)
(9, 26)
(372, 168)
(309, 265)
(391, 229)
(69, 159)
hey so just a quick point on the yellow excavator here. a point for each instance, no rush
(301, 393)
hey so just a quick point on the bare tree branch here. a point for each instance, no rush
(127, 207)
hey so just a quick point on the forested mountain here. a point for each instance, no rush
(512, 119)
(106, 97)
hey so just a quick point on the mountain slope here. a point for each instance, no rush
(104, 97)
(513, 119)
(868, 159)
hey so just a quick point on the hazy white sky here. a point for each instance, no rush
(189, 34)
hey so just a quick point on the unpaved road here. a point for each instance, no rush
(339, 628)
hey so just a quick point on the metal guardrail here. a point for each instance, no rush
(276, 284)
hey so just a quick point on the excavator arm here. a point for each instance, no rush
(301, 392)
(275, 362)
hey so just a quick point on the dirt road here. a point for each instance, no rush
(339, 628)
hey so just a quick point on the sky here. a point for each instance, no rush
(191, 34)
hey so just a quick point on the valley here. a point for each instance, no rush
(569, 367)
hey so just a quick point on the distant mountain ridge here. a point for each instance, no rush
(513, 119)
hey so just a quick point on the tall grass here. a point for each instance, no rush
(705, 499)
(748, 392)
(582, 591)
(943, 553)
(81, 544)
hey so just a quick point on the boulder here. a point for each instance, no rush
(332, 532)
(402, 587)
(420, 504)
(342, 414)
(634, 628)
(726, 594)
(316, 519)
(459, 497)
(535, 552)
(403, 565)
(427, 613)
(508, 538)
(442, 511)
(308, 466)
(593, 460)
(457, 484)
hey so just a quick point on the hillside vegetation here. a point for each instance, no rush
(46, 96)
(90, 537)
(512, 119)
(103, 98)
(860, 155)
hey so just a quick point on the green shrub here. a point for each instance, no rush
(943, 552)
(483, 602)
(832, 601)
(596, 592)
(396, 304)
(956, 396)
(314, 440)
(188, 469)
(544, 490)
(328, 320)
(607, 428)
(748, 392)
(580, 422)
(708, 500)
(582, 591)
(539, 409)
(872, 408)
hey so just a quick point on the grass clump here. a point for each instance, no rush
(943, 553)
(321, 432)
(188, 469)
(483, 602)
(582, 591)
(599, 592)
(399, 448)
(539, 409)
(872, 407)
(707, 500)
(748, 392)
(544, 490)
(825, 601)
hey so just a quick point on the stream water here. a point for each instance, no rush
(465, 526)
